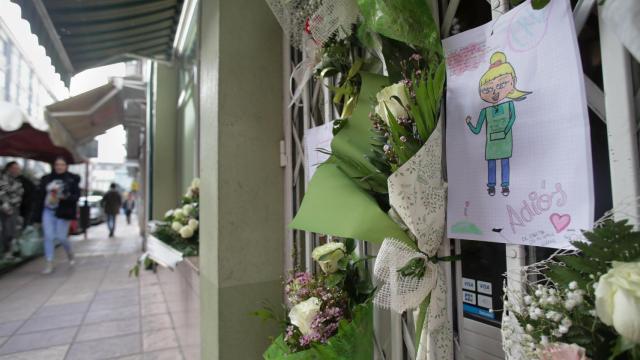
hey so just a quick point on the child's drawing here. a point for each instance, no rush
(497, 85)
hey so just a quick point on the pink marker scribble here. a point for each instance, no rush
(466, 58)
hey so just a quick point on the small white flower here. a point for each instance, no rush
(538, 292)
(550, 314)
(168, 213)
(186, 232)
(538, 312)
(569, 304)
(544, 340)
(187, 209)
(563, 329)
(566, 322)
(193, 224)
(552, 300)
(573, 285)
(527, 300)
(178, 213)
(529, 328)
(176, 226)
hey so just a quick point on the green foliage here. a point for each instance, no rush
(353, 341)
(147, 264)
(165, 234)
(616, 241)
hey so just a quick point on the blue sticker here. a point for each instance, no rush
(478, 311)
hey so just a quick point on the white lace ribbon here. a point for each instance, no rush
(397, 292)
(417, 194)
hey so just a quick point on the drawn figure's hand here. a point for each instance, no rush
(468, 119)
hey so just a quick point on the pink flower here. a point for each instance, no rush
(563, 351)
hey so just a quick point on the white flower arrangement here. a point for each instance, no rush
(584, 306)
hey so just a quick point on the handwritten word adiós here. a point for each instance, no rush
(535, 205)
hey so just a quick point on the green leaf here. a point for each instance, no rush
(333, 280)
(539, 4)
(422, 320)
(350, 245)
(355, 69)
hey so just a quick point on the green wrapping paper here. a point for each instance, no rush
(354, 341)
(353, 140)
(335, 203)
(408, 21)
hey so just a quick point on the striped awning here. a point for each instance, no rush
(82, 34)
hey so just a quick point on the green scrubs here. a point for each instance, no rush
(500, 119)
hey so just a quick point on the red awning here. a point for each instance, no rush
(28, 142)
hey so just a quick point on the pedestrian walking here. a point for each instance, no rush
(58, 194)
(128, 207)
(10, 200)
(111, 202)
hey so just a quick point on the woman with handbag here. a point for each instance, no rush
(58, 201)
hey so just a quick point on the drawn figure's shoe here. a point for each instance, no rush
(505, 191)
(491, 190)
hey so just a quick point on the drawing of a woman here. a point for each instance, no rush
(497, 84)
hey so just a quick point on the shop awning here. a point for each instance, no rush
(81, 34)
(20, 136)
(77, 120)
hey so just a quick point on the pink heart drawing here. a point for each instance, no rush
(560, 222)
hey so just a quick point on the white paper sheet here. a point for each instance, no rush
(540, 131)
(318, 137)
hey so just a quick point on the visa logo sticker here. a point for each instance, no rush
(468, 284)
(484, 287)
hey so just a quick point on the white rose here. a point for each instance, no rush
(176, 226)
(178, 213)
(193, 224)
(618, 299)
(328, 256)
(168, 213)
(187, 209)
(186, 232)
(303, 313)
(385, 97)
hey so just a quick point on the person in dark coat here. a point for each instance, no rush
(111, 202)
(57, 205)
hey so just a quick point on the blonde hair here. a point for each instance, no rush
(498, 67)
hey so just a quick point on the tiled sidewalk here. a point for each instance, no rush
(92, 310)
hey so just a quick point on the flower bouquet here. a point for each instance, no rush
(383, 181)
(330, 313)
(179, 228)
(176, 236)
(579, 305)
